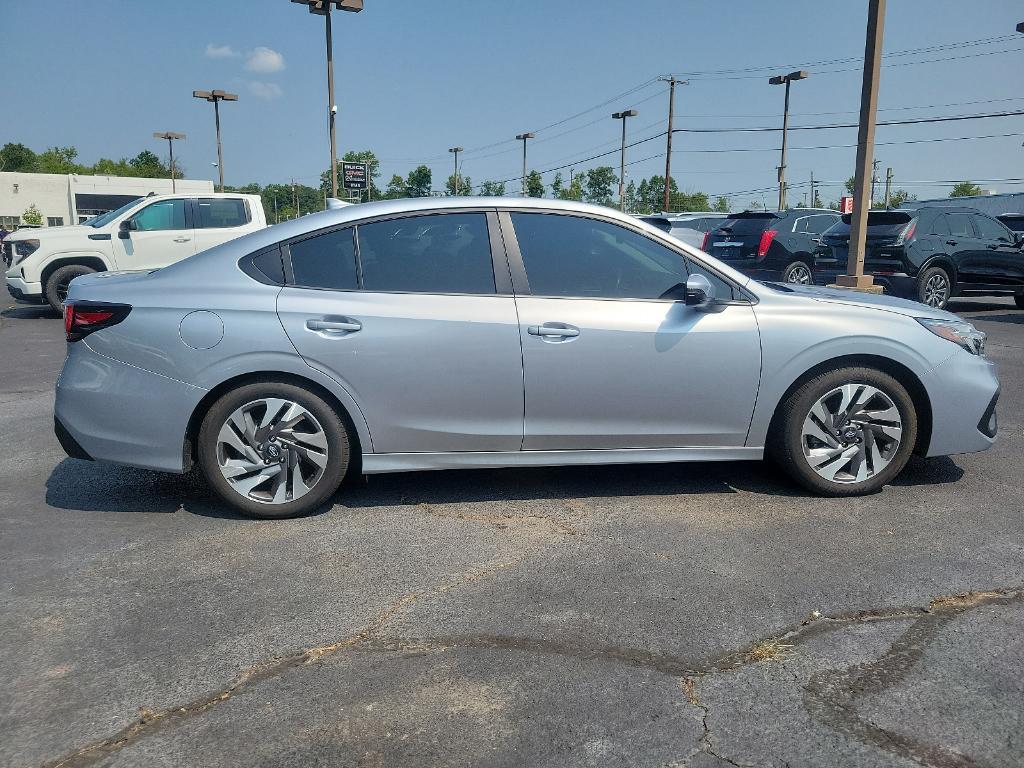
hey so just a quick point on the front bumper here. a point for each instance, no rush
(111, 411)
(963, 393)
(22, 290)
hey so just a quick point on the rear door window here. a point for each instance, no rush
(960, 225)
(221, 212)
(819, 223)
(326, 261)
(940, 226)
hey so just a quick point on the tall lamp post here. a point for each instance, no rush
(323, 8)
(785, 80)
(622, 155)
(171, 137)
(524, 137)
(455, 188)
(217, 97)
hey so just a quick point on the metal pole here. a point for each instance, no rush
(331, 107)
(888, 186)
(855, 277)
(874, 179)
(782, 166)
(456, 190)
(813, 197)
(220, 156)
(668, 141)
(524, 166)
(622, 168)
(170, 151)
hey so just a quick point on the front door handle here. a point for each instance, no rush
(951, 242)
(334, 326)
(182, 239)
(551, 330)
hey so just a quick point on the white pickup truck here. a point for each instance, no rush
(147, 233)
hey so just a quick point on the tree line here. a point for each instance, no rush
(64, 160)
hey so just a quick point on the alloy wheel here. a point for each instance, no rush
(936, 290)
(800, 275)
(272, 451)
(851, 433)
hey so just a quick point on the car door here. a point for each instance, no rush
(219, 219)
(612, 357)
(965, 249)
(1000, 261)
(158, 234)
(406, 313)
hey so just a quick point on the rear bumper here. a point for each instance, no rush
(110, 411)
(963, 393)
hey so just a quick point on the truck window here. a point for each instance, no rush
(220, 213)
(161, 215)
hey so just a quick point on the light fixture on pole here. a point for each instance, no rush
(523, 137)
(171, 137)
(323, 8)
(217, 97)
(455, 188)
(622, 155)
(785, 80)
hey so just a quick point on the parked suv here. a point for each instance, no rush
(771, 245)
(932, 254)
(690, 227)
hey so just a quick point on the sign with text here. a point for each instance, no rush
(354, 175)
(846, 204)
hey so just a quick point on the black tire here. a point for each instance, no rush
(1019, 300)
(929, 281)
(798, 269)
(338, 449)
(57, 284)
(786, 442)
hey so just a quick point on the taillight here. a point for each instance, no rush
(766, 240)
(907, 233)
(83, 317)
(704, 245)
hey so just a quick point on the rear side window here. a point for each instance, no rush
(326, 261)
(991, 230)
(959, 225)
(220, 213)
(817, 224)
(161, 215)
(437, 253)
(753, 225)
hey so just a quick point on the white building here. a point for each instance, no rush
(71, 199)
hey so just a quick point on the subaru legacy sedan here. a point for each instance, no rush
(443, 333)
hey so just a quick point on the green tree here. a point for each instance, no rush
(599, 185)
(492, 188)
(395, 189)
(900, 196)
(59, 160)
(631, 198)
(18, 157)
(851, 184)
(574, 191)
(372, 171)
(965, 189)
(465, 185)
(419, 182)
(32, 216)
(722, 205)
(148, 165)
(534, 184)
(107, 167)
(689, 201)
(643, 196)
(557, 185)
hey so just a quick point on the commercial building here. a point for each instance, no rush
(993, 205)
(71, 199)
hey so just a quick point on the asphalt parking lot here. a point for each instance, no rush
(700, 615)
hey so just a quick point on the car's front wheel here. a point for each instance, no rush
(273, 450)
(797, 272)
(845, 432)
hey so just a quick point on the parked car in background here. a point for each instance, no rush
(932, 254)
(438, 333)
(690, 227)
(771, 245)
(1015, 221)
(147, 233)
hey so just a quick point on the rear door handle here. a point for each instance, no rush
(951, 242)
(182, 239)
(334, 326)
(550, 330)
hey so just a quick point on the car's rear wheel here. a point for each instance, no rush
(56, 289)
(934, 287)
(846, 432)
(273, 450)
(797, 272)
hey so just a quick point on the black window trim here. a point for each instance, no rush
(521, 282)
(499, 261)
(248, 265)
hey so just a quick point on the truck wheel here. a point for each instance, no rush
(934, 287)
(56, 289)
(798, 273)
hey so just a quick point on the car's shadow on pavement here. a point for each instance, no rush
(84, 486)
(1015, 319)
(42, 312)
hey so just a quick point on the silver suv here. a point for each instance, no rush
(457, 332)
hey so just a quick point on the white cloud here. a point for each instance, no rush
(264, 60)
(220, 51)
(268, 91)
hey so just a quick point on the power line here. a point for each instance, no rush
(849, 146)
(913, 121)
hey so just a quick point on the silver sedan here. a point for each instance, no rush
(459, 332)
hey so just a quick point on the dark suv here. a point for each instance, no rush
(771, 245)
(931, 254)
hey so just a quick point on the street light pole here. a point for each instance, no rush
(672, 82)
(217, 97)
(785, 80)
(524, 137)
(455, 188)
(171, 137)
(622, 155)
(323, 8)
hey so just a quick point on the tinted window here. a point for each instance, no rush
(940, 226)
(753, 225)
(959, 224)
(217, 212)
(573, 256)
(1013, 221)
(326, 261)
(818, 224)
(439, 253)
(991, 230)
(165, 214)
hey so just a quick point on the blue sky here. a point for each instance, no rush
(416, 77)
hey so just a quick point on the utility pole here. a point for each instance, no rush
(622, 156)
(456, 150)
(855, 277)
(888, 186)
(874, 179)
(295, 199)
(217, 97)
(814, 198)
(672, 82)
(524, 137)
(171, 137)
(785, 80)
(277, 219)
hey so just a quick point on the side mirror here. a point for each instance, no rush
(124, 229)
(700, 293)
(1020, 240)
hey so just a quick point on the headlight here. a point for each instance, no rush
(24, 249)
(959, 332)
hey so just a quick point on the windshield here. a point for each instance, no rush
(105, 218)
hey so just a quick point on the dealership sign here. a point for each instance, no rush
(354, 175)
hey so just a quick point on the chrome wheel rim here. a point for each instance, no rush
(851, 433)
(936, 290)
(800, 275)
(62, 289)
(272, 451)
